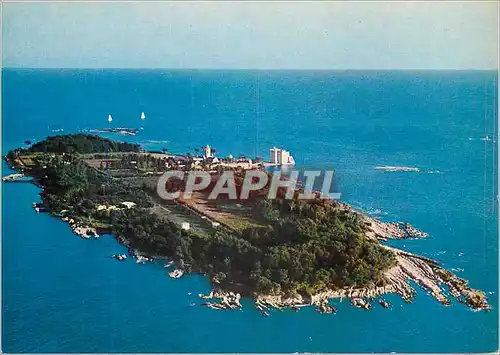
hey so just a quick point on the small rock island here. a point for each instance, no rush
(284, 253)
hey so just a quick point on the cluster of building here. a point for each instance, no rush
(127, 204)
(208, 159)
(280, 156)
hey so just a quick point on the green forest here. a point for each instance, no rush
(81, 143)
(298, 251)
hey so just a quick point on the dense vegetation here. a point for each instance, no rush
(71, 184)
(304, 246)
(81, 143)
(308, 249)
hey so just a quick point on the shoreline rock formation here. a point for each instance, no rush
(426, 273)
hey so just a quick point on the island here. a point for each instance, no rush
(283, 253)
(123, 131)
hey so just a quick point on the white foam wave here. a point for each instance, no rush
(376, 212)
(155, 142)
(397, 168)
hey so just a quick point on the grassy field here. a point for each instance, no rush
(27, 160)
(232, 214)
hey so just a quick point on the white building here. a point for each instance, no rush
(185, 226)
(281, 157)
(207, 152)
(128, 204)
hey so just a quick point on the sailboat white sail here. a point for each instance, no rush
(143, 116)
(110, 119)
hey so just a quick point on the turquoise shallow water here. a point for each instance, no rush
(64, 294)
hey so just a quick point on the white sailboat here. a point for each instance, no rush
(110, 119)
(143, 116)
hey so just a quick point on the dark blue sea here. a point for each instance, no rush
(64, 294)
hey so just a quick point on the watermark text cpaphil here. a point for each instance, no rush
(243, 185)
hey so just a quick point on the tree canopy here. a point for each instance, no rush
(81, 143)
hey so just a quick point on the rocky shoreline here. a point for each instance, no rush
(393, 230)
(227, 300)
(81, 230)
(425, 272)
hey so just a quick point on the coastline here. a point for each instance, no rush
(423, 271)
(426, 274)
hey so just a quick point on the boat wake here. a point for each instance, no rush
(397, 168)
(370, 211)
(484, 139)
(376, 212)
(155, 142)
(387, 168)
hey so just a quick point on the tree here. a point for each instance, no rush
(360, 275)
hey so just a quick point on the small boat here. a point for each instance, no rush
(143, 116)
(142, 259)
(486, 138)
(176, 274)
(39, 207)
(169, 264)
(119, 257)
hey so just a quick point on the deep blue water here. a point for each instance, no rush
(64, 294)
